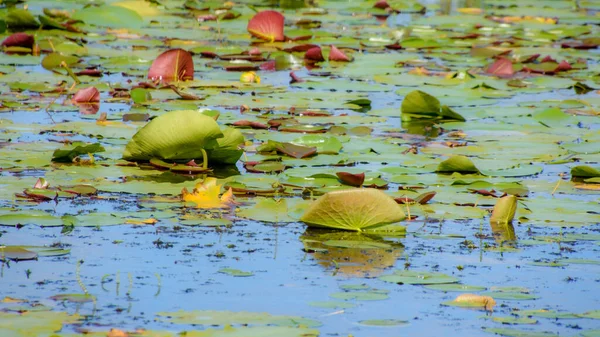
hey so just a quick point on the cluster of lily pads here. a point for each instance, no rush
(340, 116)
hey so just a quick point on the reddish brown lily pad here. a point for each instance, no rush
(19, 40)
(351, 178)
(267, 25)
(172, 65)
(314, 54)
(503, 67)
(86, 95)
(250, 124)
(337, 55)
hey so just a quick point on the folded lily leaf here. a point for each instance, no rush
(353, 209)
(175, 135)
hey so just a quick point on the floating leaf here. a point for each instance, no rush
(351, 178)
(54, 60)
(68, 153)
(353, 209)
(19, 40)
(267, 25)
(455, 287)
(109, 16)
(172, 65)
(235, 272)
(383, 322)
(502, 67)
(417, 277)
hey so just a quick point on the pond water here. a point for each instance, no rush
(132, 255)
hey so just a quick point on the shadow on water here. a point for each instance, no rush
(351, 254)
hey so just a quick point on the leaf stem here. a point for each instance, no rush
(204, 159)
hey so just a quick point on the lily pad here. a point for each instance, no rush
(354, 209)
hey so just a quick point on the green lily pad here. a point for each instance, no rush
(383, 322)
(418, 277)
(235, 272)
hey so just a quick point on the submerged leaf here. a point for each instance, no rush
(353, 209)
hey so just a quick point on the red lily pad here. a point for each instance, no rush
(269, 66)
(301, 48)
(172, 65)
(337, 55)
(267, 25)
(381, 4)
(19, 40)
(86, 95)
(89, 72)
(314, 54)
(250, 124)
(503, 67)
(295, 78)
(351, 178)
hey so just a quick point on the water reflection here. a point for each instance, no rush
(424, 128)
(351, 254)
(504, 233)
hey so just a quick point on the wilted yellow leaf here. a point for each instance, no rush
(470, 10)
(150, 221)
(476, 300)
(13, 300)
(117, 333)
(206, 195)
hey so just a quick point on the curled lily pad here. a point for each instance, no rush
(460, 164)
(584, 171)
(19, 40)
(267, 25)
(182, 134)
(172, 65)
(353, 209)
(87, 95)
(421, 105)
(502, 217)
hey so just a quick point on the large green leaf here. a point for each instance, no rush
(228, 150)
(421, 105)
(460, 164)
(353, 209)
(584, 171)
(175, 135)
(109, 16)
